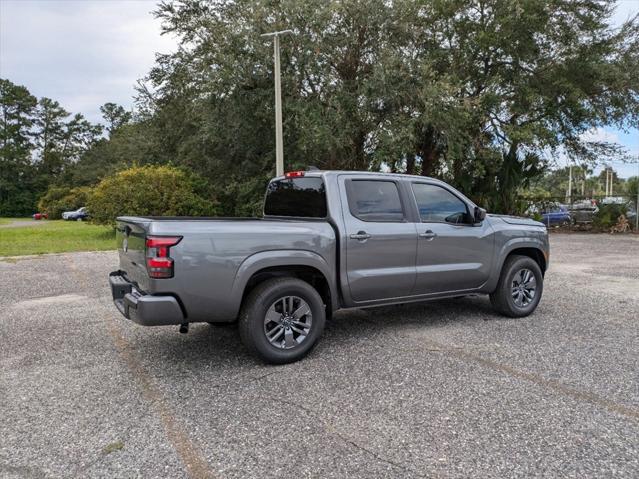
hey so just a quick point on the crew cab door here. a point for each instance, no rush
(380, 241)
(453, 254)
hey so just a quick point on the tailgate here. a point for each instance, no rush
(130, 238)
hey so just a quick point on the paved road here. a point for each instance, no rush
(23, 223)
(445, 389)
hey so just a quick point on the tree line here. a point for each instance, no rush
(581, 182)
(43, 145)
(479, 93)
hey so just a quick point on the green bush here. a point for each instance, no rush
(150, 191)
(538, 217)
(608, 215)
(59, 199)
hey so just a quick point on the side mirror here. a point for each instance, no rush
(479, 214)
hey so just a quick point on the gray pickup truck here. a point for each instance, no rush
(328, 240)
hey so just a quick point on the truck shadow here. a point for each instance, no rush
(425, 313)
(221, 346)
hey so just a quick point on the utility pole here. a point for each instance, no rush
(637, 205)
(569, 195)
(612, 177)
(279, 142)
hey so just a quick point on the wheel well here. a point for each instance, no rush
(533, 253)
(311, 275)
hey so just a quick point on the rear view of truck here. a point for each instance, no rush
(144, 259)
(176, 271)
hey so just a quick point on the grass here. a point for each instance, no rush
(113, 447)
(55, 237)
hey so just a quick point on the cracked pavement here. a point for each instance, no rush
(441, 389)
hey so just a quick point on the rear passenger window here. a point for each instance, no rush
(438, 205)
(297, 197)
(373, 200)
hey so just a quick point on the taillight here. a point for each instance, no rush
(158, 261)
(294, 174)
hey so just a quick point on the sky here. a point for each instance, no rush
(84, 53)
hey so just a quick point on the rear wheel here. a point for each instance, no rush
(281, 320)
(519, 288)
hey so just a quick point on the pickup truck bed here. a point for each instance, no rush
(213, 261)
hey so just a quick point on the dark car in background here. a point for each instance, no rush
(583, 212)
(556, 215)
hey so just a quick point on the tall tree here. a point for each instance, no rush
(115, 116)
(60, 140)
(40, 144)
(504, 82)
(17, 106)
(477, 92)
(50, 137)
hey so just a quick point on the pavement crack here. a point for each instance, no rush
(375, 455)
(555, 386)
(335, 432)
(195, 463)
(259, 378)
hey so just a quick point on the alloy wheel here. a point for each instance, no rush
(523, 288)
(287, 322)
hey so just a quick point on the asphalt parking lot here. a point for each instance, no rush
(443, 389)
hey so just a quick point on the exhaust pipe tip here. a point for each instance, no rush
(184, 328)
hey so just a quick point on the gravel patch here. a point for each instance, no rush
(440, 389)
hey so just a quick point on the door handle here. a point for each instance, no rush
(360, 235)
(428, 234)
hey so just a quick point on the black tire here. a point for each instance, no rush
(260, 300)
(503, 299)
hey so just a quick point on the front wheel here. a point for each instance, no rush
(519, 288)
(281, 320)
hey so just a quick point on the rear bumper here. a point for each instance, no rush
(144, 309)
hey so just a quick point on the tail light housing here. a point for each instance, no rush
(159, 263)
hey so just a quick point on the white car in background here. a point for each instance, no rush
(78, 215)
(613, 200)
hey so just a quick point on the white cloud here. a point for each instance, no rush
(623, 169)
(600, 135)
(625, 10)
(81, 53)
